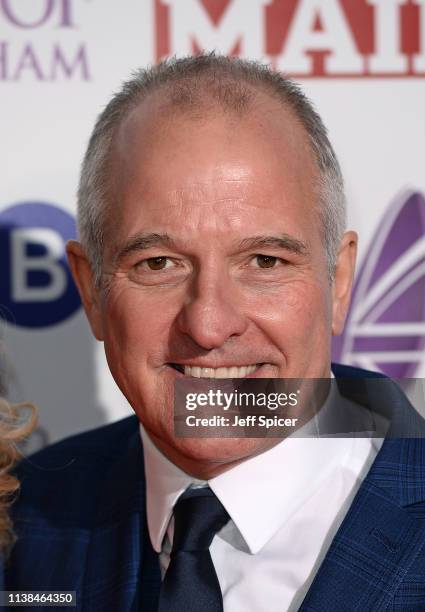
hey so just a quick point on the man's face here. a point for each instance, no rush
(215, 265)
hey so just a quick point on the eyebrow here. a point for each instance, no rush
(141, 242)
(284, 241)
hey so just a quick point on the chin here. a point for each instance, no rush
(207, 457)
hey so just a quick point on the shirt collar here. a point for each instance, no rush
(260, 494)
(165, 482)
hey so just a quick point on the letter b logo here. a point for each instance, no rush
(36, 288)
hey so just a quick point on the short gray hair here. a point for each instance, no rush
(229, 83)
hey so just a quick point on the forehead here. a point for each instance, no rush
(168, 163)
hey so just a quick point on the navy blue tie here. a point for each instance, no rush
(190, 582)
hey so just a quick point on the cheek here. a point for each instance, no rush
(296, 302)
(135, 342)
(297, 315)
(135, 324)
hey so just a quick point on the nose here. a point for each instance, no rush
(211, 313)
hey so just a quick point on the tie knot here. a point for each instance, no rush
(198, 516)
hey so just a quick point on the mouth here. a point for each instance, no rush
(240, 371)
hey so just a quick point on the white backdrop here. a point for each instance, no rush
(362, 62)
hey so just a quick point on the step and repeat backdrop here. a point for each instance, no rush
(362, 62)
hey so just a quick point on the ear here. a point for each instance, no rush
(343, 280)
(84, 279)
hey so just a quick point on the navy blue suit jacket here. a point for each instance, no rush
(81, 523)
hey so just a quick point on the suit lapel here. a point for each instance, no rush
(122, 570)
(380, 538)
(377, 543)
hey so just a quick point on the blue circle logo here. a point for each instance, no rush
(36, 287)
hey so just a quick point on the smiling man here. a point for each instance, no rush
(211, 217)
(213, 251)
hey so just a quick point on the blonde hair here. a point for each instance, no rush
(16, 423)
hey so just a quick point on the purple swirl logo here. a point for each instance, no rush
(385, 328)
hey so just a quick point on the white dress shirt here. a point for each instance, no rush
(285, 504)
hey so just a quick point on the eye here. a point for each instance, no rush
(156, 263)
(163, 270)
(266, 261)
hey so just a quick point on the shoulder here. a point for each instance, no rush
(61, 475)
(103, 444)
(345, 371)
(405, 440)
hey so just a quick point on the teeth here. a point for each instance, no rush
(233, 372)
